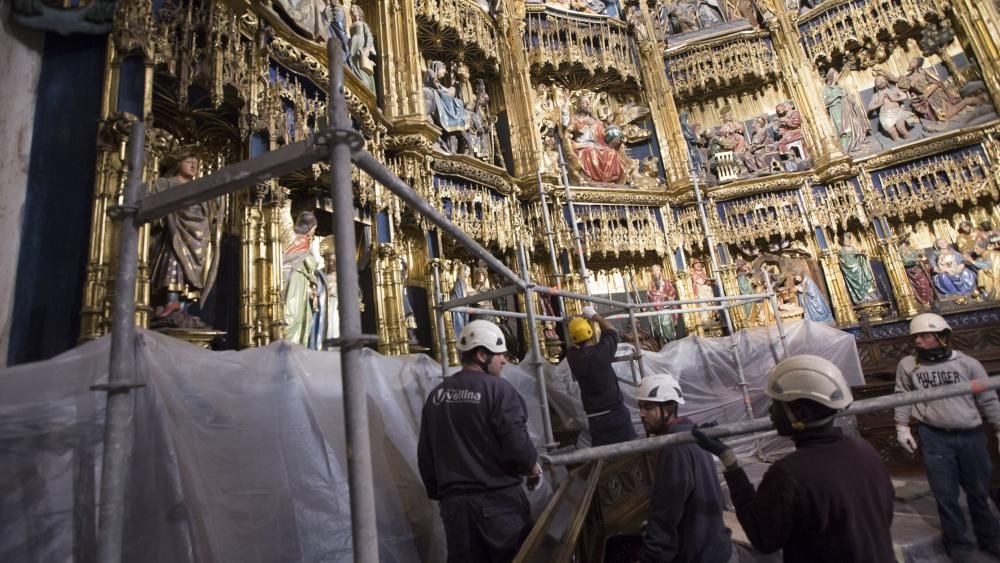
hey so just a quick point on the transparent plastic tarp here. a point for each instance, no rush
(238, 456)
(709, 376)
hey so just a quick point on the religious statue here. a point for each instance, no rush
(704, 288)
(951, 277)
(930, 97)
(763, 151)
(598, 147)
(481, 284)
(858, 274)
(680, 16)
(661, 289)
(811, 299)
(308, 17)
(691, 139)
(846, 114)
(444, 105)
(892, 116)
(362, 50)
(184, 247)
(334, 16)
(965, 242)
(790, 130)
(301, 275)
(988, 279)
(461, 287)
(481, 135)
(332, 300)
(985, 236)
(744, 281)
(915, 266)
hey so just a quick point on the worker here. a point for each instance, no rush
(831, 499)
(685, 519)
(951, 437)
(590, 363)
(474, 451)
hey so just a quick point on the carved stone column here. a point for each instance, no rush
(400, 65)
(732, 287)
(663, 109)
(389, 302)
(905, 300)
(805, 88)
(692, 321)
(979, 21)
(843, 309)
(526, 143)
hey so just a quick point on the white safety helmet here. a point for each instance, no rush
(482, 333)
(928, 322)
(659, 388)
(809, 377)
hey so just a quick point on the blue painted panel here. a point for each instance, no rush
(52, 259)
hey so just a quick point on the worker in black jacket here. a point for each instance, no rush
(474, 450)
(685, 517)
(830, 500)
(590, 362)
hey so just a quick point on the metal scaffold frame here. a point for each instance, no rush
(343, 147)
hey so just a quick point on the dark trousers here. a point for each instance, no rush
(960, 459)
(611, 428)
(486, 527)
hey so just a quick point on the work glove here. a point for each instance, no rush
(589, 312)
(905, 438)
(535, 478)
(715, 446)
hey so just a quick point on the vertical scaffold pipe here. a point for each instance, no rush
(439, 318)
(364, 532)
(577, 239)
(726, 313)
(536, 348)
(122, 362)
(550, 236)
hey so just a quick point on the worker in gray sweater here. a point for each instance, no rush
(951, 437)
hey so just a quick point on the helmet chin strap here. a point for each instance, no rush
(798, 425)
(939, 354)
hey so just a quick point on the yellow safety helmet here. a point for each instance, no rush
(580, 330)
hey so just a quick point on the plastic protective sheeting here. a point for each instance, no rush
(709, 376)
(238, 456)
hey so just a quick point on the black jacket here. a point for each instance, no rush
(685, 519)
(591, 368)
(830, 500)
(473, 436)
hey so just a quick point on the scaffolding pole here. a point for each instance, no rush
(726, 313)
(364, 531)
(577, 239)
(439, 318)
(536, 348)
(118, 432)
(763, 424)
(550, 237)
(505, 314)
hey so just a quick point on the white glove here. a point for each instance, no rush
(905, 438)
(535, 479)
(589, 312)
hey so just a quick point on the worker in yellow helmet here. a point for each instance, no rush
(590, 363)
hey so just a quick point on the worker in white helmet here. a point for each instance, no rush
(831, 499)
(685, 518)
(474, 452)
(951, 435)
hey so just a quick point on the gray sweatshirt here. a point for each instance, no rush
(953, 413)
